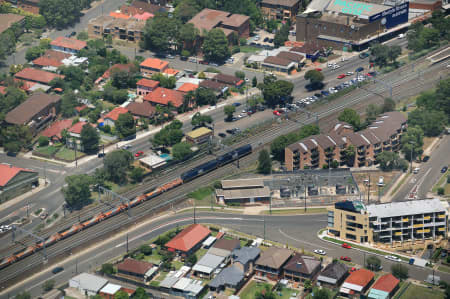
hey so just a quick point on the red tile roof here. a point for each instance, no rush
(134, 266)
(8, 172)
(40, 76)
(386, 283)
(56, 128)
(26, 85)
(147, 83)
(117, 67)
(76, 128)
(114, 114)
(69, 43)
(144, 16)
(360, 277)
(188, 238)
(45, 61)
(2, 89)
(118, 15)
(56, 55)
(163, 96)
(171, 72)
(186, 87)
(154, 63)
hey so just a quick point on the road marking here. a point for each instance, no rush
(301, 241)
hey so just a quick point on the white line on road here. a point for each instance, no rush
(301, 241)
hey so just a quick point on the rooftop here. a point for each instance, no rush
(144, 109)
(26, 111)
(78, 127)
(274, 257)
(208, 19)
(291, 56)
(110, 289)
(355, 8)
(199, 132)
(147, 7)
(334, 270)
(227, 244)
(244, 193)
(412, 207)
(134, 266)
(386, 283)
(286, 3)
(217, 86)
(242, 183)
(358, 279)
(148, 83)
(278, 61)
(208, 263)
(7, 172)
(302, 264)
(186, 87)
(245, 254)
(189, 237)
(154, 63)
(56, 128)
(7, 20)
(45, 61)
(69, 43)
(164, 95)
(228, 276)
(37, 75)
(89, 282)
(227, 79)
(114, 114)
(118, 15)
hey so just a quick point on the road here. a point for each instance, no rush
(297, 231)
(429, 174)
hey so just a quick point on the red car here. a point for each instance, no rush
(277, 113)
(318, 69)
(139, 153)
(353, 269)
(346, 258)
(341, 76)
(345, 245)
(368, 75)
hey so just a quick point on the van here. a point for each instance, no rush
(416, 170)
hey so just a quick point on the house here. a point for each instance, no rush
(118, 15)
(15, 181)
(357, 283)
(244, 258)
(109, 290)
(125, 67)
(231, 277)
(301, 267)
(270, 264)
(243, 191)
(153, 65)
(200, 135)
(111, 117)
(37, 76)
(281, 10)
(35, 112)
(188, 288)
(75, 135)
(186, 87)
(68, 45)
(229, 80)
(164, 96)
(7, 20)
(80, 108)
(135, 268)
(169, 72)
(384, 288)
(144, 109)
(53, 132)
(188, 240)
(278, 64)
(227, 244)
(145, 86)
(51, 60)
(333, 275)
(218, 88)
(208, 264)
(87, 284)
(309, 50)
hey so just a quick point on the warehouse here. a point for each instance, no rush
(244, 191)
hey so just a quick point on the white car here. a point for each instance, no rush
(247, 79)
(349, 73)
(392, 258)
(320, 251)
(336, 66)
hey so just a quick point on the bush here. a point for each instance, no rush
(145, 249)
(107, 269)
(217, 185)
(448, 179)
(48, 285)
(400, 271)
(242, 42)
(43, 140)
(440, 191)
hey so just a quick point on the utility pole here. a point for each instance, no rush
(76, 266)
(195, 220)
(368, 192)
(264, 235)
(304, 187)
(412, 149)
(127, 242)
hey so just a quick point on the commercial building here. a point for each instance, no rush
(35, 112)
(200, 135)
(350, 24)
(87, 284)
(15, 181)
(397, 223)
(384, 288)
(315, 151)
(152, 161)
(270, 263)
(282, 10)
(301, 267)
(108, 291)
(188, 240)
(130, 29)
(243, 191)
(357, 283)
(67, 45)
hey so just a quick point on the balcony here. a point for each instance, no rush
(427, 218)
(441, 229)
(405, 219)
(418, 225)
(441, 216)
(397, 233)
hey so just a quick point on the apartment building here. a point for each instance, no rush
(322, 150)
(130, 29)
(396, 224)
(282, 10)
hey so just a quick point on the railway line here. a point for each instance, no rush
(264, 137)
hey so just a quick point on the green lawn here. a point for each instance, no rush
(161, 276)
(154, 258)
(286, 293)
(419, 292)
(252, 288)
(68, 154)
(177, 264)
(444, 269)
(200, 253)
(48, 151)
(201, 193)
(297, 211)
(249, 49)
(440, 182)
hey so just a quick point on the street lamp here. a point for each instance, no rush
(412, 149)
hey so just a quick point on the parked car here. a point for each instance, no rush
(56, 270)
(138, 154)
(444, 169)
(237, 104)
(392, 258)
(229, 131)
(346, 258)
(320, 251)
(266, 39)
(126, 146)
(170, 56)
(363, 55)
(425, 158)
(276, 112)
(359, 70)
(223, 135)
(349, 73)
(203, 62)
(341, 76)
(318, 69)
(270, 40)
(213, 64)
(100, 155)
(345, 245)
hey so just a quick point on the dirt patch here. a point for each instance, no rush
(362, 178)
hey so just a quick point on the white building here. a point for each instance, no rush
(87, 284)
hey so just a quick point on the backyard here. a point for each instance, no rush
(255, 287)
(419, 292)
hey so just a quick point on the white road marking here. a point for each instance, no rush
(302, 241)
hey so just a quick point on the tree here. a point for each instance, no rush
(442, 96)
(169, 135)
(412, 142)
(137, 174)
(33, 52)
(73, 76)
(166, 82)
(160, 32)
(254, 81)
(322, 293)
(393, 53)
(281, 36)
(307, 284)
(372, 112)
(121, 295)
(77, 192)
(83, 35)
(388, 105)
(68, 104)
(240, 74)
(315, 78)
(61, 13)
(116, 164)
(400, 271)
(277, 92)
(351, 117)
(391, 160)
(380, 54)
(215, 45)
(204, 96)
(12, 147)
(145, 249)
(266, 293)
(432, 122)
(122, 79)
(229, 110)
(440, 191)
(48, 285)
(188, 35)
(264, 162)
(349, 155)
(181, 150)
(43, 140)
(90, 138)
(186, 10)
(199, 120)
(192, 259)
(140, 294)
(23, 295)
(373, 263)
(107, 269)
(125, 125)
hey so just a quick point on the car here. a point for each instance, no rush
(237, 104)
(213, 64)
(401, 35)
(363, 55)
(325, 93)
(352, 269)
(346, 258)
(349, 73)
(100, 155)
(247, 79)
(444, 169)
(345, 245)
(223, 135)
(139, 153)
(425, 158)
(336, 66)
(318, 69)
(126, 146)
(270, 40)
(203, 62)
(392, 258)
(416, 170)
(266, 39)
(373, 73)
(341, 76)
(5, 227)
(229, 131)
(359, 70)
(320, 251)
(276, 112)
(170, 56)
(56, 270)
(234, 118)
(319, 95)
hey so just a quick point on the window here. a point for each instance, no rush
(350, 217)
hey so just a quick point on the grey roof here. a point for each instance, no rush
(334, 270)
(219, 252)
(244, 193)
(89, 282)
(242, 183)
(412, 207)
(230, 276)
(208, 263)
(169, 281)
(302, 264)
(246, 254)
(274, 257)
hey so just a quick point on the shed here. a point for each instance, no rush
(87, 284)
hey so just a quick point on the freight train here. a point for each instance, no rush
(185, 177)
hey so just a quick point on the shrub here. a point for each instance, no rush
(48, 285)
(440, 191)
(107, 269)
(43, 140)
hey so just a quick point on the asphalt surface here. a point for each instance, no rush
(297, 231)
